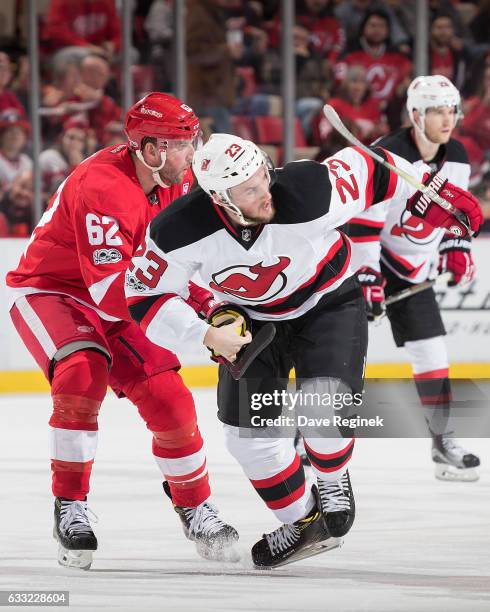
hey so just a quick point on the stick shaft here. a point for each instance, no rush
(331, 114)
(405, 293)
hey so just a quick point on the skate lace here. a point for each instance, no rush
(75, 517)
(204, 519)
(452, 446)
(334, 495)
(282, 538)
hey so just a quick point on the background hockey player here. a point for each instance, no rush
(271, 248)
(70, 310)
(400, 250)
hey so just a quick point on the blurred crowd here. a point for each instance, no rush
(356, 54)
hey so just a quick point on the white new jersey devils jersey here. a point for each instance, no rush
(407, 245)
(278, 270)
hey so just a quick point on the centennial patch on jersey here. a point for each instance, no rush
(134, 284)
(105, 256)
(257, 283)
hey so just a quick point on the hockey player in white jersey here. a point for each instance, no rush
(399, 250)
(265, 243)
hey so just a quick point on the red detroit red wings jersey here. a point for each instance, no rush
(277, 271)
(406, 244)
(85, 240)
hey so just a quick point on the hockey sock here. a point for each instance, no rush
(78, 387)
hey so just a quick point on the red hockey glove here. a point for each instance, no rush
(223, 313)
(420, 205)
(372, 283)
(455, 257)
(201, 300)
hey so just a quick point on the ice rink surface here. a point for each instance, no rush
(417, 544)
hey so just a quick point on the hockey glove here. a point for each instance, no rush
(372, 284)
(201, 300)
(223, 313)
(420, 205)
(455, 257)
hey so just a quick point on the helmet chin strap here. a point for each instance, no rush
(420, 130)
(154, 170)
(228, 205)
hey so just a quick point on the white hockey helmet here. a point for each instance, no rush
(226, 161)
(430, 92)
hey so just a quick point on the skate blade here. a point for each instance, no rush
(78, 559)
(305, 553)
(227, 554)
(449, 473)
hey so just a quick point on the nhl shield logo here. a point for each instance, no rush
(205, 164)
(246, 235)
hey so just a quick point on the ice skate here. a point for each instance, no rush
(72, 529)
(214, 539)
(295, 541)
(338, 505)
(452, 461)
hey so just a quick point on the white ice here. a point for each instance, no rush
(417, 545)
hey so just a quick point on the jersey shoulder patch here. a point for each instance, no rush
(301, 192)
(185, 221)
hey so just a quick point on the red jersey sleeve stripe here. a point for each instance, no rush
(366, 222)
(390, 191)
(369, 183)
(153, 309)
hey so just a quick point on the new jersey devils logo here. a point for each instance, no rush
(255, 283)
(414, 229)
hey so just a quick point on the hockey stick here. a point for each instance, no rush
(331, 114)
(405, 293)
(259, 342)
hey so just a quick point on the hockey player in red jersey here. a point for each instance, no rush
(400, 250)
(266, 241)
(68, 305)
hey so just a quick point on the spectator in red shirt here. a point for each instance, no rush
(353, 102)
(386, 68)
(476, 123)
(8, 99)
(447, 54)
(91, 23)
(326, 34)
(95, 71)
(58, 161)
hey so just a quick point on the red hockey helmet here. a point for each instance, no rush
(160, 116)
(165, 118)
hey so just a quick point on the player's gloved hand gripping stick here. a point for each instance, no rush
(224, 314)
(462, 220)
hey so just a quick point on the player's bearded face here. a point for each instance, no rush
(254, 198)
(439, 123)
(177, 162)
